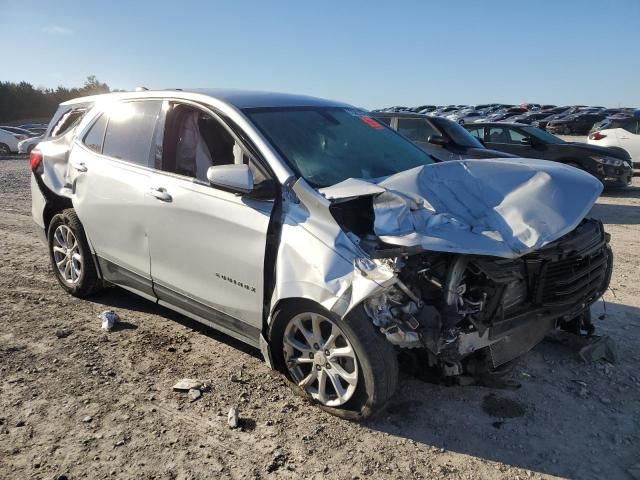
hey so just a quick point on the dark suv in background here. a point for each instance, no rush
(441, 138)
(612, 167)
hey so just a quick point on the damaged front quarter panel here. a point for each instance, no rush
(450, 258)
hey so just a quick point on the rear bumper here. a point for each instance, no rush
(38, 204)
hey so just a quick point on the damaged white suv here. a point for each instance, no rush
(310, 230)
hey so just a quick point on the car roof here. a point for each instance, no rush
(238, 98)
(495, 124)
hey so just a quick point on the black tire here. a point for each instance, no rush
(4, 149)
(88, 281)
(377, 359)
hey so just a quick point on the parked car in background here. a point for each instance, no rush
(441, 138)
(9, 141)
(622, 134)
(306, 228)
(18, 131)
(25, 146)
(611, 167)
(528, 118)
(575, 124)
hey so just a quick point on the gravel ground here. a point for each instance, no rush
(76, 402)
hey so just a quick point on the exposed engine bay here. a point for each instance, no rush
(457, 306)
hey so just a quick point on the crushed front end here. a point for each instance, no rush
(456, 305)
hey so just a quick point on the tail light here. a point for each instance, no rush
(35, 160)
(596, 136)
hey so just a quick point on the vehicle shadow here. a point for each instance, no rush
(625, 192)
(616, 214)
(551, 424)
(118, 298)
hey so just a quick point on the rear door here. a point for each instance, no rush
(629, 138)
(110, 173)
(207, 245)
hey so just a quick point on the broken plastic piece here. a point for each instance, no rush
(600, 348)
(109, 319)
(187, 384)
(232, 418)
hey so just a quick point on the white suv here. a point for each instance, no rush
(620, 133)
(308, 229)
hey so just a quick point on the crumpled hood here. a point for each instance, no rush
(504, 208)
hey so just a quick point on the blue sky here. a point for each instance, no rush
(368, 53)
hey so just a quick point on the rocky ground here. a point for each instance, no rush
(77, 402)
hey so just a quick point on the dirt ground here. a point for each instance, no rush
(76, 402)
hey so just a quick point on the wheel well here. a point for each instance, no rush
(55, 205)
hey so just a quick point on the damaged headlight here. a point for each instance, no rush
(615, 162)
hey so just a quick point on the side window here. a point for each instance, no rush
(94, 137)
(67, 122)
(477, 132)
(130, 131)
(504, 135)
(416, 129)
(516, 137)
(194, 141)
(386, 120)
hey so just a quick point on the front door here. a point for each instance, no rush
(207, 245)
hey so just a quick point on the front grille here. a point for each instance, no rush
(576, 279)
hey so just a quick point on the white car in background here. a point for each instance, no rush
(620, 133)
(9, 141)
(25, 146)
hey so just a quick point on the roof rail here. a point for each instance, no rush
(141, 89)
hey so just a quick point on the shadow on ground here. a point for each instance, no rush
(117, 298)
(548, 425)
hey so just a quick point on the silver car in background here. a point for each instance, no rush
(310, 230)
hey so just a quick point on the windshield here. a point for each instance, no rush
(330, 144)
(546, 137)
(459, 135)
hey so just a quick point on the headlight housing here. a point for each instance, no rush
(615, 162)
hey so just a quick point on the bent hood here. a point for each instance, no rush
(504, 208)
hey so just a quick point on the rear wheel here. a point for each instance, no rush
(344, 365)
(4, 149)
(70, 255)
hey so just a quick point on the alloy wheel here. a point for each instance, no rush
(320, 359)
(66, 254)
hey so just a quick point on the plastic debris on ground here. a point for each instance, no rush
(187, 384)
(109, 319)
(599, 348)
(232, 418)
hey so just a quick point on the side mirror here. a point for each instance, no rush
(235, 177)
(437, 140)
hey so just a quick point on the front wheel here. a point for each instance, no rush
(4, 149)
(344, 365)
(70, 255)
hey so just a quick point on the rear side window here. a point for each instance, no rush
(94, 137)
(416, 129)
(130, 131)
(477, 132)
(386, 120)
(67, 122)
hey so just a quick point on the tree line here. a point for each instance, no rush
(21, 101)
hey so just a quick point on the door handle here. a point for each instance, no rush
(80, 167)
(161, 194)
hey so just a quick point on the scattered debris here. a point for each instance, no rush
(187, 384)
(599, 348)
(194, 394)
(109, 319)
(62, 333)
(278, 462)
(232, 418)
(87, 419)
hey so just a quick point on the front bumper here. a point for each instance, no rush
(612, 176)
